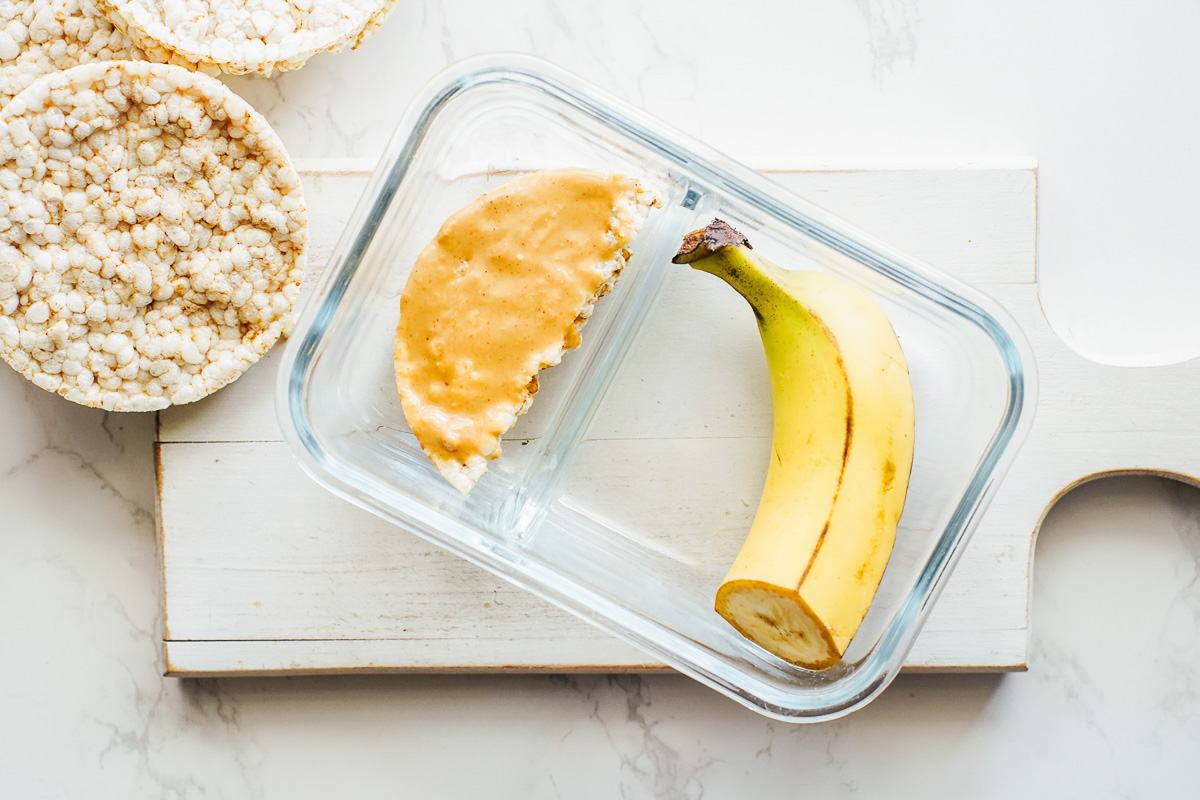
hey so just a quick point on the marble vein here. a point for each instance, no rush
(892, 28)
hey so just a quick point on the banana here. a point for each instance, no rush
(841, 452)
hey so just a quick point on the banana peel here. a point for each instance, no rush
(841, 454)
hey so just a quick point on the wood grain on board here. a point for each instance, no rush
(279, 576)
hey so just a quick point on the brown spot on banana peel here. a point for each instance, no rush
(889, 471)
(880, 524)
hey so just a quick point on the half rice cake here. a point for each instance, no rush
(152, 235)
(38, 37)
(244, 36)
(502, 290)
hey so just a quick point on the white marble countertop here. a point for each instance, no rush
(1110, 706)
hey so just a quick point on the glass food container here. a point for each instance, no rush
(625, 492)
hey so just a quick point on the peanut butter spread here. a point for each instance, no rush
(499, 293)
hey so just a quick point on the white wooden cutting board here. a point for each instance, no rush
(265, 572)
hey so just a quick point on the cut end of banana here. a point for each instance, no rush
(779, 621)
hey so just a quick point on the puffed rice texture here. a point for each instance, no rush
(38, 37)
(152, 235)
(244, 36)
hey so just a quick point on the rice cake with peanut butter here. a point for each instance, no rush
(500, 293)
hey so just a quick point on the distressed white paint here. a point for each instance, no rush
(280, 576)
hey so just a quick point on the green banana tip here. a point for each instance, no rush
(708, 240)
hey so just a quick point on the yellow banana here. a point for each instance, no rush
(841, 453)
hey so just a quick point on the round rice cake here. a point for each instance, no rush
(242, 36)
(152, 235)
(38, 37)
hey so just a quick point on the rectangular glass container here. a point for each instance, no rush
(625, 492)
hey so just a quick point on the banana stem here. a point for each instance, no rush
(720, 249)
(708, 240)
